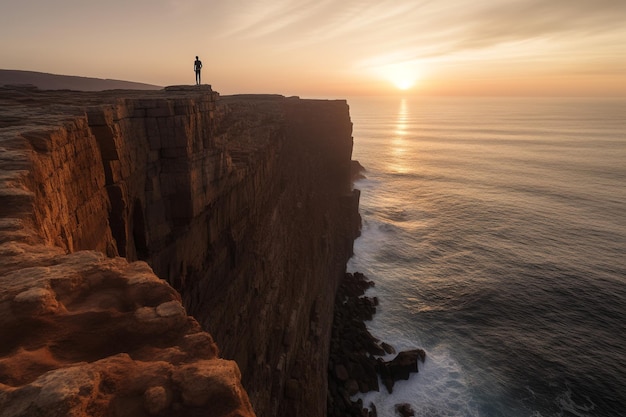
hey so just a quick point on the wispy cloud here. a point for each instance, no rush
(261, 18)
(513, 28)
(474, 24)
(314, 21)
(526, 19)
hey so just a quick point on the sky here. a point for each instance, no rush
(328, 48)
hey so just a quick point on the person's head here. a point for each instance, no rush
(196, 57)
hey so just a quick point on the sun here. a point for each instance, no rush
(403, 83)
(403, 77)
(402, 74)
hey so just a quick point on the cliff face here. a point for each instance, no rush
(243, 204)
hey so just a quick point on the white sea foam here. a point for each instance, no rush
(571, 408)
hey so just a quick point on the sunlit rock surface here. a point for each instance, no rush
(124, 212)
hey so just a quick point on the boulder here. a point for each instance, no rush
(405, 410)
(387, 348)
(405, 363)
(341, 373)
(400, 367)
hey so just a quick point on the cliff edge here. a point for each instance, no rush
(121, 212)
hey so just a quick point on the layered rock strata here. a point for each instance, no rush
(242, 204)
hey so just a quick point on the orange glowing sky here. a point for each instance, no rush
(331, 48)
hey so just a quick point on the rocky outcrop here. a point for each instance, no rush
(242, 204)
(400, 367)
(83, 334)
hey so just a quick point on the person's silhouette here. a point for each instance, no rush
(197, 66)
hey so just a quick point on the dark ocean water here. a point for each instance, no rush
(495, 231)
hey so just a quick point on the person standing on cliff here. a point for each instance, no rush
(197, 66)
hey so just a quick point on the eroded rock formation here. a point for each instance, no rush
(87, 335)
(242, 204)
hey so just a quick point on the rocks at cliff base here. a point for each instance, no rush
(357, 170)
(405, 410)
(399, 367)
(388, 348)
(355, 355)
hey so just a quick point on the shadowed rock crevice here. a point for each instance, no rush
(117, 220)
(139, 231)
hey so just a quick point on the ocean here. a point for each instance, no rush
(494, 230)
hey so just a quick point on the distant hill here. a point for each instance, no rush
(46, 81)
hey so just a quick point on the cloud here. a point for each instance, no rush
(467, 30)
(415, 30)
(314, 21)
(255, 19)
(527, 19)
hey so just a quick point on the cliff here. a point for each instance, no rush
(119, 206)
